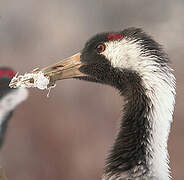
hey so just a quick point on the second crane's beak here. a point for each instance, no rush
(64, 69)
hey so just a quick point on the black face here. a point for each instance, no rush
(97, 67)
(92, 49)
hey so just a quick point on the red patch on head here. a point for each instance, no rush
(7, 72)
(115, 36)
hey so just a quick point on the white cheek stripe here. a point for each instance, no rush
(122, 53)
(128, 54)
(160, 89)
(10, 101)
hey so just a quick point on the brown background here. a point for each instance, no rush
(68, 135)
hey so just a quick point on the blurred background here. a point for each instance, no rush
(67, 136)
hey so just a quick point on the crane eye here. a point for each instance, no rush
(100, 48)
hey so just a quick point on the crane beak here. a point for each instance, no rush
(64, 69)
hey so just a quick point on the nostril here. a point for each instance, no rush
(60, 66)
(57, 67)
